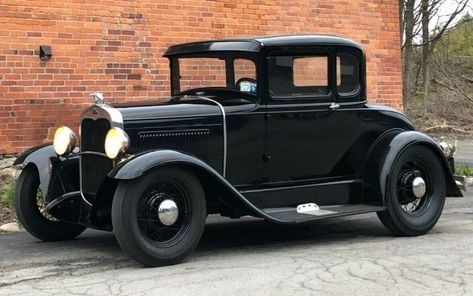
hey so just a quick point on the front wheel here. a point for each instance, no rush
(158, 219)
(415, 193)
(29, 207)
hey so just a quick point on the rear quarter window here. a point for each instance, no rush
(347, 72)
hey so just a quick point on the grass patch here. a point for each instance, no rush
(7, 207)
(463, 170)
(7, 196)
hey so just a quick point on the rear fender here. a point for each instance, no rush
(376, 170)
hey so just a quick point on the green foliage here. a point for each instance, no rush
(447, 109)
(457, 43)
(418, 96)
(463, 170)
(7, 197)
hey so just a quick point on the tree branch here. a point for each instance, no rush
(456, 86)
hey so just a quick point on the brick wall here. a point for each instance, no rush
(115, 47)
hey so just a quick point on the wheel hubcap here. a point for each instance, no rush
(413, 187)
(164, 213)
(168, 212)
(418, 187)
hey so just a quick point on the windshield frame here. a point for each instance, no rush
(228, 57)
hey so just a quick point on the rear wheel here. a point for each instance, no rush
(29, 207)
(415, 194)
(158, 219)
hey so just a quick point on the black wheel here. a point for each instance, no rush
(158, 219)
(31, 214)
(415, 193)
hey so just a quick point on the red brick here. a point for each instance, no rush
(64, 35)
(134, 76)
(33, 34)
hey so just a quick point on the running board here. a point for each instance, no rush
(293, 215)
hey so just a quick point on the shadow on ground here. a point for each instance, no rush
(221, 235)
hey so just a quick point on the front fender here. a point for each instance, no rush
(21, 159)
(138, 165)
(41, 156)
(376, 170)
(51, 167)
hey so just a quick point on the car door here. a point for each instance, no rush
(245, 128)
(304, 139)
(309, 131)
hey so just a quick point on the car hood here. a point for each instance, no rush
(176, 107)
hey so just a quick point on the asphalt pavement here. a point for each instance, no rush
(342, 256)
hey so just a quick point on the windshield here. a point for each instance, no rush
(230, 73)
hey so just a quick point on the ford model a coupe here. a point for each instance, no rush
(272, 127)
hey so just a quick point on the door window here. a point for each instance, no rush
(310, 71)
(298, 76)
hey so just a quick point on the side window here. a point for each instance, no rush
(347, 74)
(298, 76)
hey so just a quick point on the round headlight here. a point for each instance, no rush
(116, 142)
(64, 141)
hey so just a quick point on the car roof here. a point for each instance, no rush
(256, 44)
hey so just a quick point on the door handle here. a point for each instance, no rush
(334, 106)
(266, 157)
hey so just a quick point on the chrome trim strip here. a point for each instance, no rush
(224, 121)
(104, 111)
(115, 115)
(116, 120)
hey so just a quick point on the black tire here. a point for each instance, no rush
(135, 204)
(404, 217)
(30, 216)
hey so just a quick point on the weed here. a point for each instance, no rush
(464, 170)
(7, 207)
(7, 196)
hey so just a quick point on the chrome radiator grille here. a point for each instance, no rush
(95, 165)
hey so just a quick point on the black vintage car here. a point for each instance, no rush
(272, 127)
